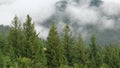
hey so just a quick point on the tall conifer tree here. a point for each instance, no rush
(31, 40)
(80, 51)
(55, 50)
(15, 38)
(68, 42)
(95, 55)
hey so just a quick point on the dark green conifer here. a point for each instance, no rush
(55, 50)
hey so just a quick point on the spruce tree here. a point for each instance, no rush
(95, 55)
(40, 58)
(31, 40)
(112, 56)
(67, 43)
(80, 55)
(55, 51)
(93, 47)
(15, 38)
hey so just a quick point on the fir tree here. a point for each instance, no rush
(31, 40)
(40, 58)
(15, 37)
(68, 42)
(55, 50)
(112, 56)
(80, 54)
(95, 55)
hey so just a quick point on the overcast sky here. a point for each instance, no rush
(38, 9)
(41, 10)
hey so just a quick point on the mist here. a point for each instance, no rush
(83, 16)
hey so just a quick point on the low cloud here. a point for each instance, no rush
(5, 2)
(79, 13)
(83, 14)
(108, 23)
(38, 9)
(105, 15)
(42, 31)
(111, 8)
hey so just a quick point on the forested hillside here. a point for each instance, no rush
(4, 30)
(22, 48)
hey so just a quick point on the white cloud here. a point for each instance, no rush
(38, 9)
(111, 8)
(113, 1)
(43, 32)
(2, 2)
(108, 23)
(84, 14)
(95, 15)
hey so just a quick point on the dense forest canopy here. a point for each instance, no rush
(21, 47)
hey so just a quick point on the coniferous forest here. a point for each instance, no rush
(22, 48)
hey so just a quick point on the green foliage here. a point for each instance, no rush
(32, 47)
(104, 66)
(31, 41)
(24, 49)
(95, 55)
(40, 57)
(55, 50)
(4, 30)
(2, 44)
(67, 43)
(1, 60)
(26, 62)
(75, 66)
(14, 39)
(112, 56)
(93, 48)
(80, 53)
